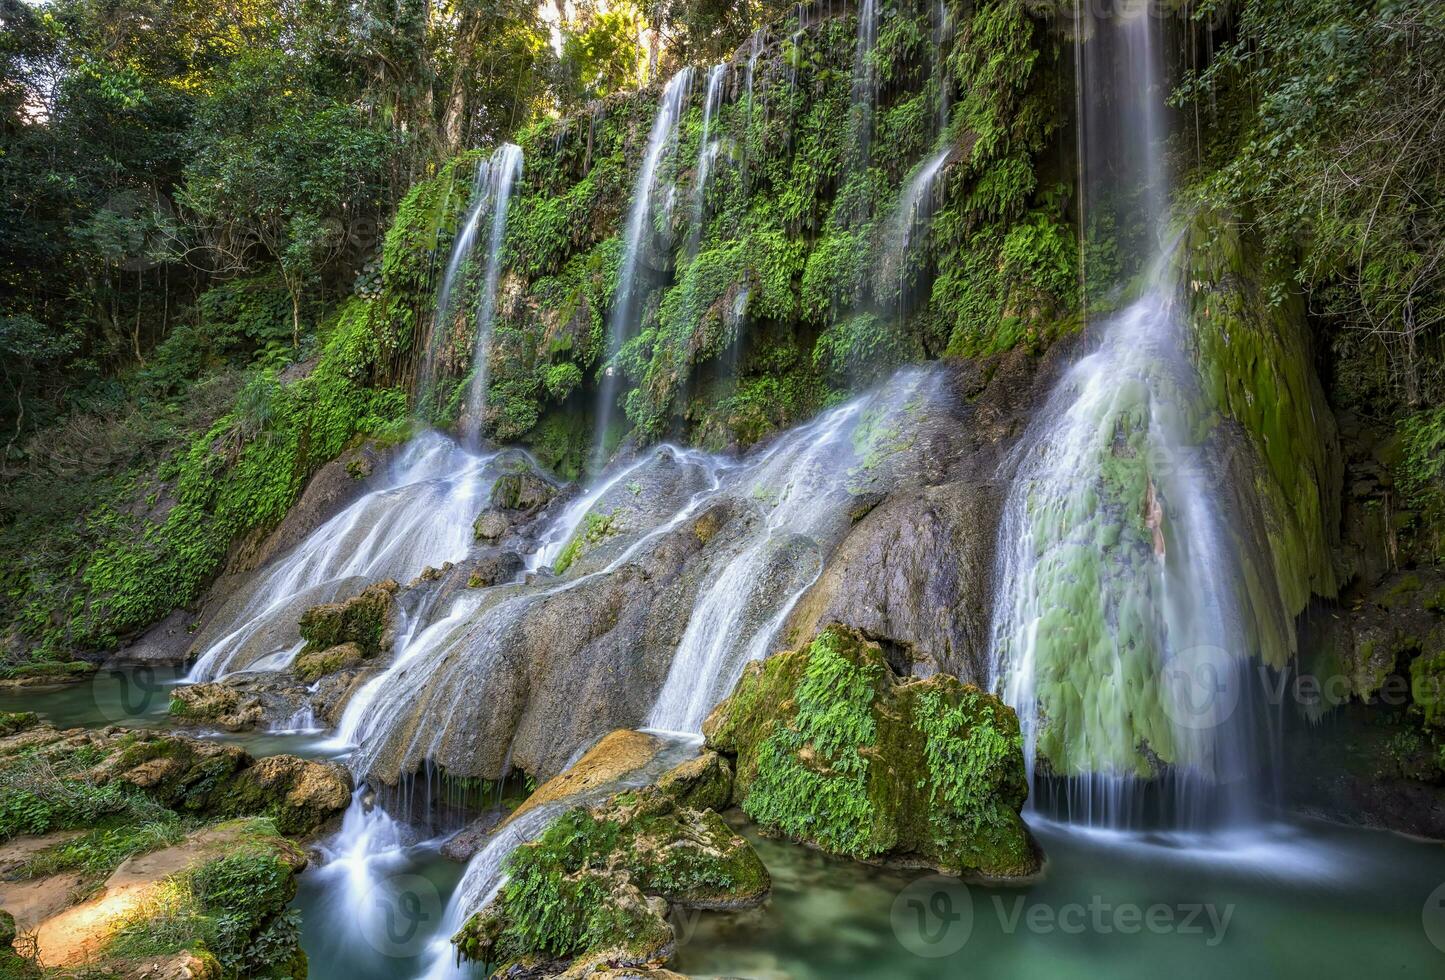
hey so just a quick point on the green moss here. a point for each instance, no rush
(361, 621)
(832, 749)
(234, 908)
(596, 528)
(582, 888)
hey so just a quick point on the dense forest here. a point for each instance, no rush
(610, 260)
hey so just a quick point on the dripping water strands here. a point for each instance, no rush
(707, 150)
(865, 85)
(622, 320)
(910, 221)
(504, 169)
(442, 316)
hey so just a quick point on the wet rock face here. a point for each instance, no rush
(832, 749)
(597, 886)
(915, 574)
(565, 667)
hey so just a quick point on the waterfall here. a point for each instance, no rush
(623, 316)
(801, 487)
(462, 246)
(1117, 636)
(402, 716)
(503, 170)
(865, 84)
(706, 154)
(421, 516)
(910, 217)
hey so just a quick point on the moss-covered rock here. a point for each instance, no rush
(215, 704)
(704, 783)
(313, 665)
(596, 887)
(364, 620)
(832, 749)
(56, 780)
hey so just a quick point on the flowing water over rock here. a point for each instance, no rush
(421, 516)
(1118, 635)
(1118, 588)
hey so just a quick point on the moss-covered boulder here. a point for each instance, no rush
(313, 665)
(214, 904)
(364, 620)
(833, 749)
(596, 887)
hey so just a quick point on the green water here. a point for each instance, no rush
(140, 698)
(1288, 901)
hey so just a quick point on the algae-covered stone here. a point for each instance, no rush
(704, 783)
(595, 888)
(217, 704)
(831, 748)
(56, 780)
(316, 664)
(364, 619)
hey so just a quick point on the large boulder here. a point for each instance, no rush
(832, 749)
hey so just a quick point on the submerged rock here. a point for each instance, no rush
(832, 749)
(595, 889)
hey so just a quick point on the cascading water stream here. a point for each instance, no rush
(909, 219)
(865, 84)
(622, 320)
(801, 486)
(420, 517)
(504, 168)
(1118, 635)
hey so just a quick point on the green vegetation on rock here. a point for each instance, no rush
(832, 749)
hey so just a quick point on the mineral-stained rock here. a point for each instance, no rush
(609, 875)
(832, 749)
(364, 620)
